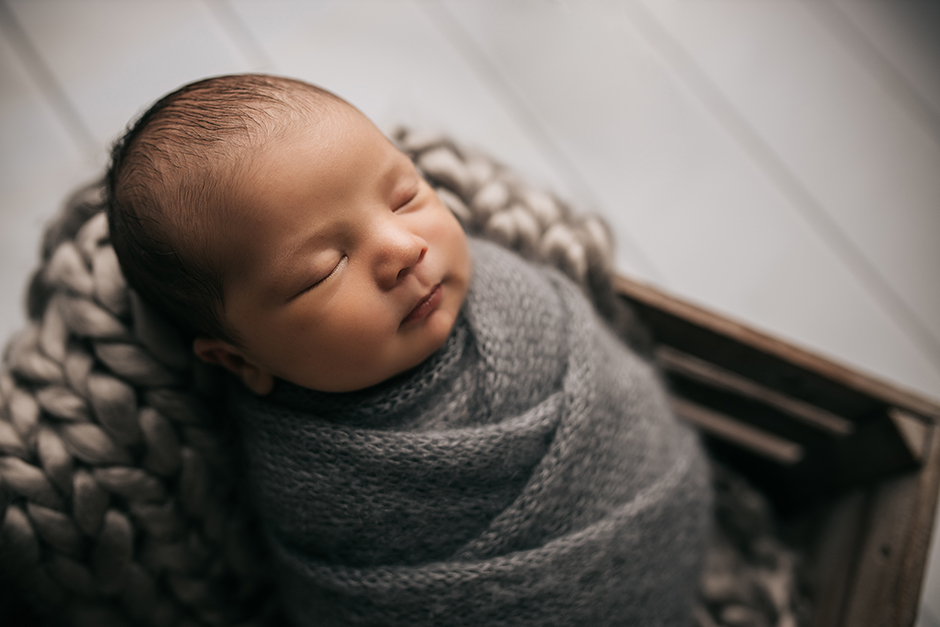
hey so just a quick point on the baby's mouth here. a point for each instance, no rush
(428, 304)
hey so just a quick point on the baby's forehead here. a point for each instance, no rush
(319, 163)
(235, 164)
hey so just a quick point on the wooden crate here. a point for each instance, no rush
(852, 464)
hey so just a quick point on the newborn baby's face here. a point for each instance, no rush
(345, 268)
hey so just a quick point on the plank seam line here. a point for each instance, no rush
(885, 73)
(48, 85)
(242, 36)
(729, 118)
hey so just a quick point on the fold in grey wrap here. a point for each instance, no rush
(528, 473)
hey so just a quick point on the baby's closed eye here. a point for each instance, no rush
(406, 192)
(401, 204)
(337, 267)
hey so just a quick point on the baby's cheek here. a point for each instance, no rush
(360, 337)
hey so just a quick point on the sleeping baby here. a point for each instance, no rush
(437, 432)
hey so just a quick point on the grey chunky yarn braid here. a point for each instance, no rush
(116, 497)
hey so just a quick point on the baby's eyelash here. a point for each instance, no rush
(408, 200)
(341, 262)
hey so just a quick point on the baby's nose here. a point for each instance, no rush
(410, 265)
(400, 252)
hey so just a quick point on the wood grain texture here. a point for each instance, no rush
(834, 555)
(873, 599)
(923, 520)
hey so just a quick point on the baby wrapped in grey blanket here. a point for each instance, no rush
(435, 434)
(528, 473)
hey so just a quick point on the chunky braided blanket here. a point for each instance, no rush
(117, 496)
(529, 473)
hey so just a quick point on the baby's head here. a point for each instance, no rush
(278, 226)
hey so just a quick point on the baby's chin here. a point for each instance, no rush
(401, 369)
(358, 380)
(411, 365)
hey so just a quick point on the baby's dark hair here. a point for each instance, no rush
(167, 179)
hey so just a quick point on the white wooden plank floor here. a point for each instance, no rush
(778, 161)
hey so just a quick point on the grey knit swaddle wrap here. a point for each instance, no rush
(530, 473)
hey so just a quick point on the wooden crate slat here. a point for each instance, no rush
(914, 431)
(768, 360)
(816, 463)
(723, 426)
(916, 550)
(834, 555)
(684, 364)
(873, 596)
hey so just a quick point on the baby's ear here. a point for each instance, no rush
(223, 354)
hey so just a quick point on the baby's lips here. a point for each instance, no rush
(426, 305)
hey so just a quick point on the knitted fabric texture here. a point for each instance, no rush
(529, 473)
